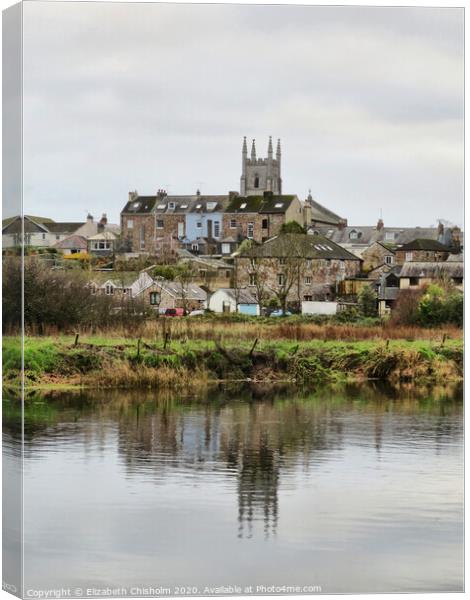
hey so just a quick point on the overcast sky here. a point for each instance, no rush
(368, 103)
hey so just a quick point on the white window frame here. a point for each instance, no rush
(408, 256)
(233, 223)
(250, 227)
(130, 224)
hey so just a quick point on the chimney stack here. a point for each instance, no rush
(380, 225)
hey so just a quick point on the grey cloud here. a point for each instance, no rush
(368, 102)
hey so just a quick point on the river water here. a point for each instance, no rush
(358, 489)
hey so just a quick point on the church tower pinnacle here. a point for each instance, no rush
(260, 175)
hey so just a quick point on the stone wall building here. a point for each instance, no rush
(295, 268)
(422, 250)
(260, 217)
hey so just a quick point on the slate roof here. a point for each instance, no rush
(425, 244)
(180, 204)
(140, 205)
(71, 242)
(260, 204)
(189, 291)
(30, 225)
(432, 270)
(63, 227)
(367, 234)
(243, 295)
(9, 220)
(322, 214)
(299, 245)
(119, 278)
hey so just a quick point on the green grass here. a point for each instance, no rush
(314, 360)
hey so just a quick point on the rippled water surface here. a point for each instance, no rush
(357, 490)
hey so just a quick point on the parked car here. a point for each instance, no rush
(174, 312)
(196, 313)
(279, 313)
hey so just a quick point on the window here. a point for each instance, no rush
(199, 224)
(195, 247)
(250, 230)
(184, 206)
(243, 205)
(408, 256)
(308, 281)
(256, 181)
(216, 228)
(414, 281)
(109, 289)
(233, 223)
(390, 235)
(155, 298)
(264, 223)
(161, 206)
(308, 298)
(171, 205)
(353, 235)
(43, 236)
(198, 206)
(159, 224)
(225, 248)
(282, 261)
(202, 272)
(389, 259)
(342, 265)
(130, 224)
(142, 236)
(252, 279)
(57, 237)
(211, 205)
(278, 205)
(281, 279)
(308, 263)
(228, 274)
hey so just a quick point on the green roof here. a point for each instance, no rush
(260, 204)
(424, 244)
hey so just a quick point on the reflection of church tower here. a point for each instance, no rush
(260, 175)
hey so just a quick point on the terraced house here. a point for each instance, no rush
(260, 217)
(153, 224)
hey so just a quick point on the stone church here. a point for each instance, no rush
(261, 175)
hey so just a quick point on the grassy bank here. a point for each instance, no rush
(189, 362)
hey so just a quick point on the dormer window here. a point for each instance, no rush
(353, 235)
(390, 235)
(171, 205)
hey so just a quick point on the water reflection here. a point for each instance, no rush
(285, 461)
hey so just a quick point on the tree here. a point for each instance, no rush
(184, 275)
(292, 227)
(368, 301)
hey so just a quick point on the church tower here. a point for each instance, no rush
(260, 175)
